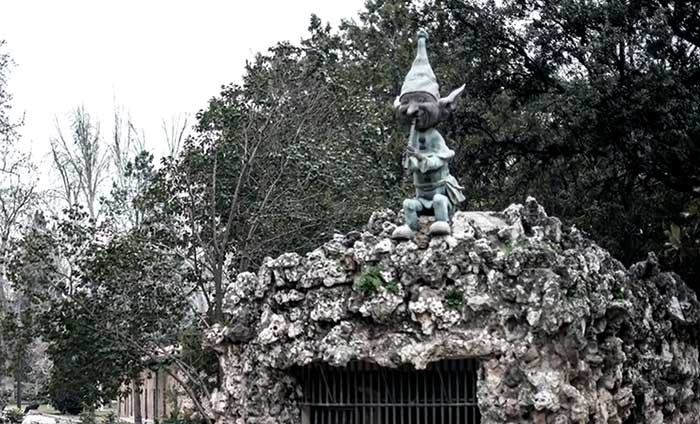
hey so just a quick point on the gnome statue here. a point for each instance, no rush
(427, 156)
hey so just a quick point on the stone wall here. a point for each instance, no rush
(563, 331)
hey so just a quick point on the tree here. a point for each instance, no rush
(107, 308)
(17, 197)
(74, 250)
(7, 126)
(275, 165)
(597, 117)
(588, 106)
(175, 132)
(132, 169)
(82, 161)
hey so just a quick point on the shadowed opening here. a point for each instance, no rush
(364, 393)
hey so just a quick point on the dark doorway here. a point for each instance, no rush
(364, 393)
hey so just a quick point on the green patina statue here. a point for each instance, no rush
(427, 156)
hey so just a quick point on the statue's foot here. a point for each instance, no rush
(439, 228)
(403, 232)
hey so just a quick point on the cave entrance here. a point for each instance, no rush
(364, 393)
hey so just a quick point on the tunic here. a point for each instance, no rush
(431, 175)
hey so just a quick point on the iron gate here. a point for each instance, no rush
(364, 393)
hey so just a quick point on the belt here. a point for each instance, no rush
(430, 186)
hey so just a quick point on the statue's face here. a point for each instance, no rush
(419, 106)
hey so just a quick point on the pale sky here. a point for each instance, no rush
(157, 58)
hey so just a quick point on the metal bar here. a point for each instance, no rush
(457, 377)
(310, 394)
(469, 378)
(472, 377)
(472, 391)
(337, 393)
(408, 400)
(357, 395)
(311, 397)
(449, 389)
(466, 391)
(304, 383)
(433, 393)
(368, 404)
(372, 394)
(394, 418)
(402, 411)
(331, 412)
(385, 387)
(306, 396)
(320, 395)
(346, 379)
(363, 393)
(461, 379)
(156, 393)
(424, 399)
(406, 394)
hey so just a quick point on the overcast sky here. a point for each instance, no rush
(157, 58)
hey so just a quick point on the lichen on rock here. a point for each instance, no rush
(563, 332)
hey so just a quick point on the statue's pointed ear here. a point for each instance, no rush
(397, 102)
(449, 101)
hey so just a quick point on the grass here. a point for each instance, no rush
(454, 298)
(508, 248)
(371, 280)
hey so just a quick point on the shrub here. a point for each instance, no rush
(12, 416)
(371, 280)
(5, 396)
(176, 418)
(67, 401)
(88, 417)
(110, 418)
(454, 298)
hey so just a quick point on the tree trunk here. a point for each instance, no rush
(218, 292)
(18, 381)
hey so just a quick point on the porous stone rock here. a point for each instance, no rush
(563, 332)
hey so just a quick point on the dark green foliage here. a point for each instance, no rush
(8, 128)
(88, 417)
(194, 353)
(618, 293)
(454, 298)
(592, 107)
(176, 417)
(105, 318)
(371, 280)
(111, 418)
(589, 106)
(683, 239)
(18, 331)
(392, 287)
(66, 397)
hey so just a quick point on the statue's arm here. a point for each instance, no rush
(430, 163)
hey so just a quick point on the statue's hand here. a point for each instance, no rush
(411, 151)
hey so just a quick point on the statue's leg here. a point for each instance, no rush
(411, 207)
(441, 208)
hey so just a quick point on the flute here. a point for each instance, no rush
(409, 148)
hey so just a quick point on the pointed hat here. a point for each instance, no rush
(421, 77)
